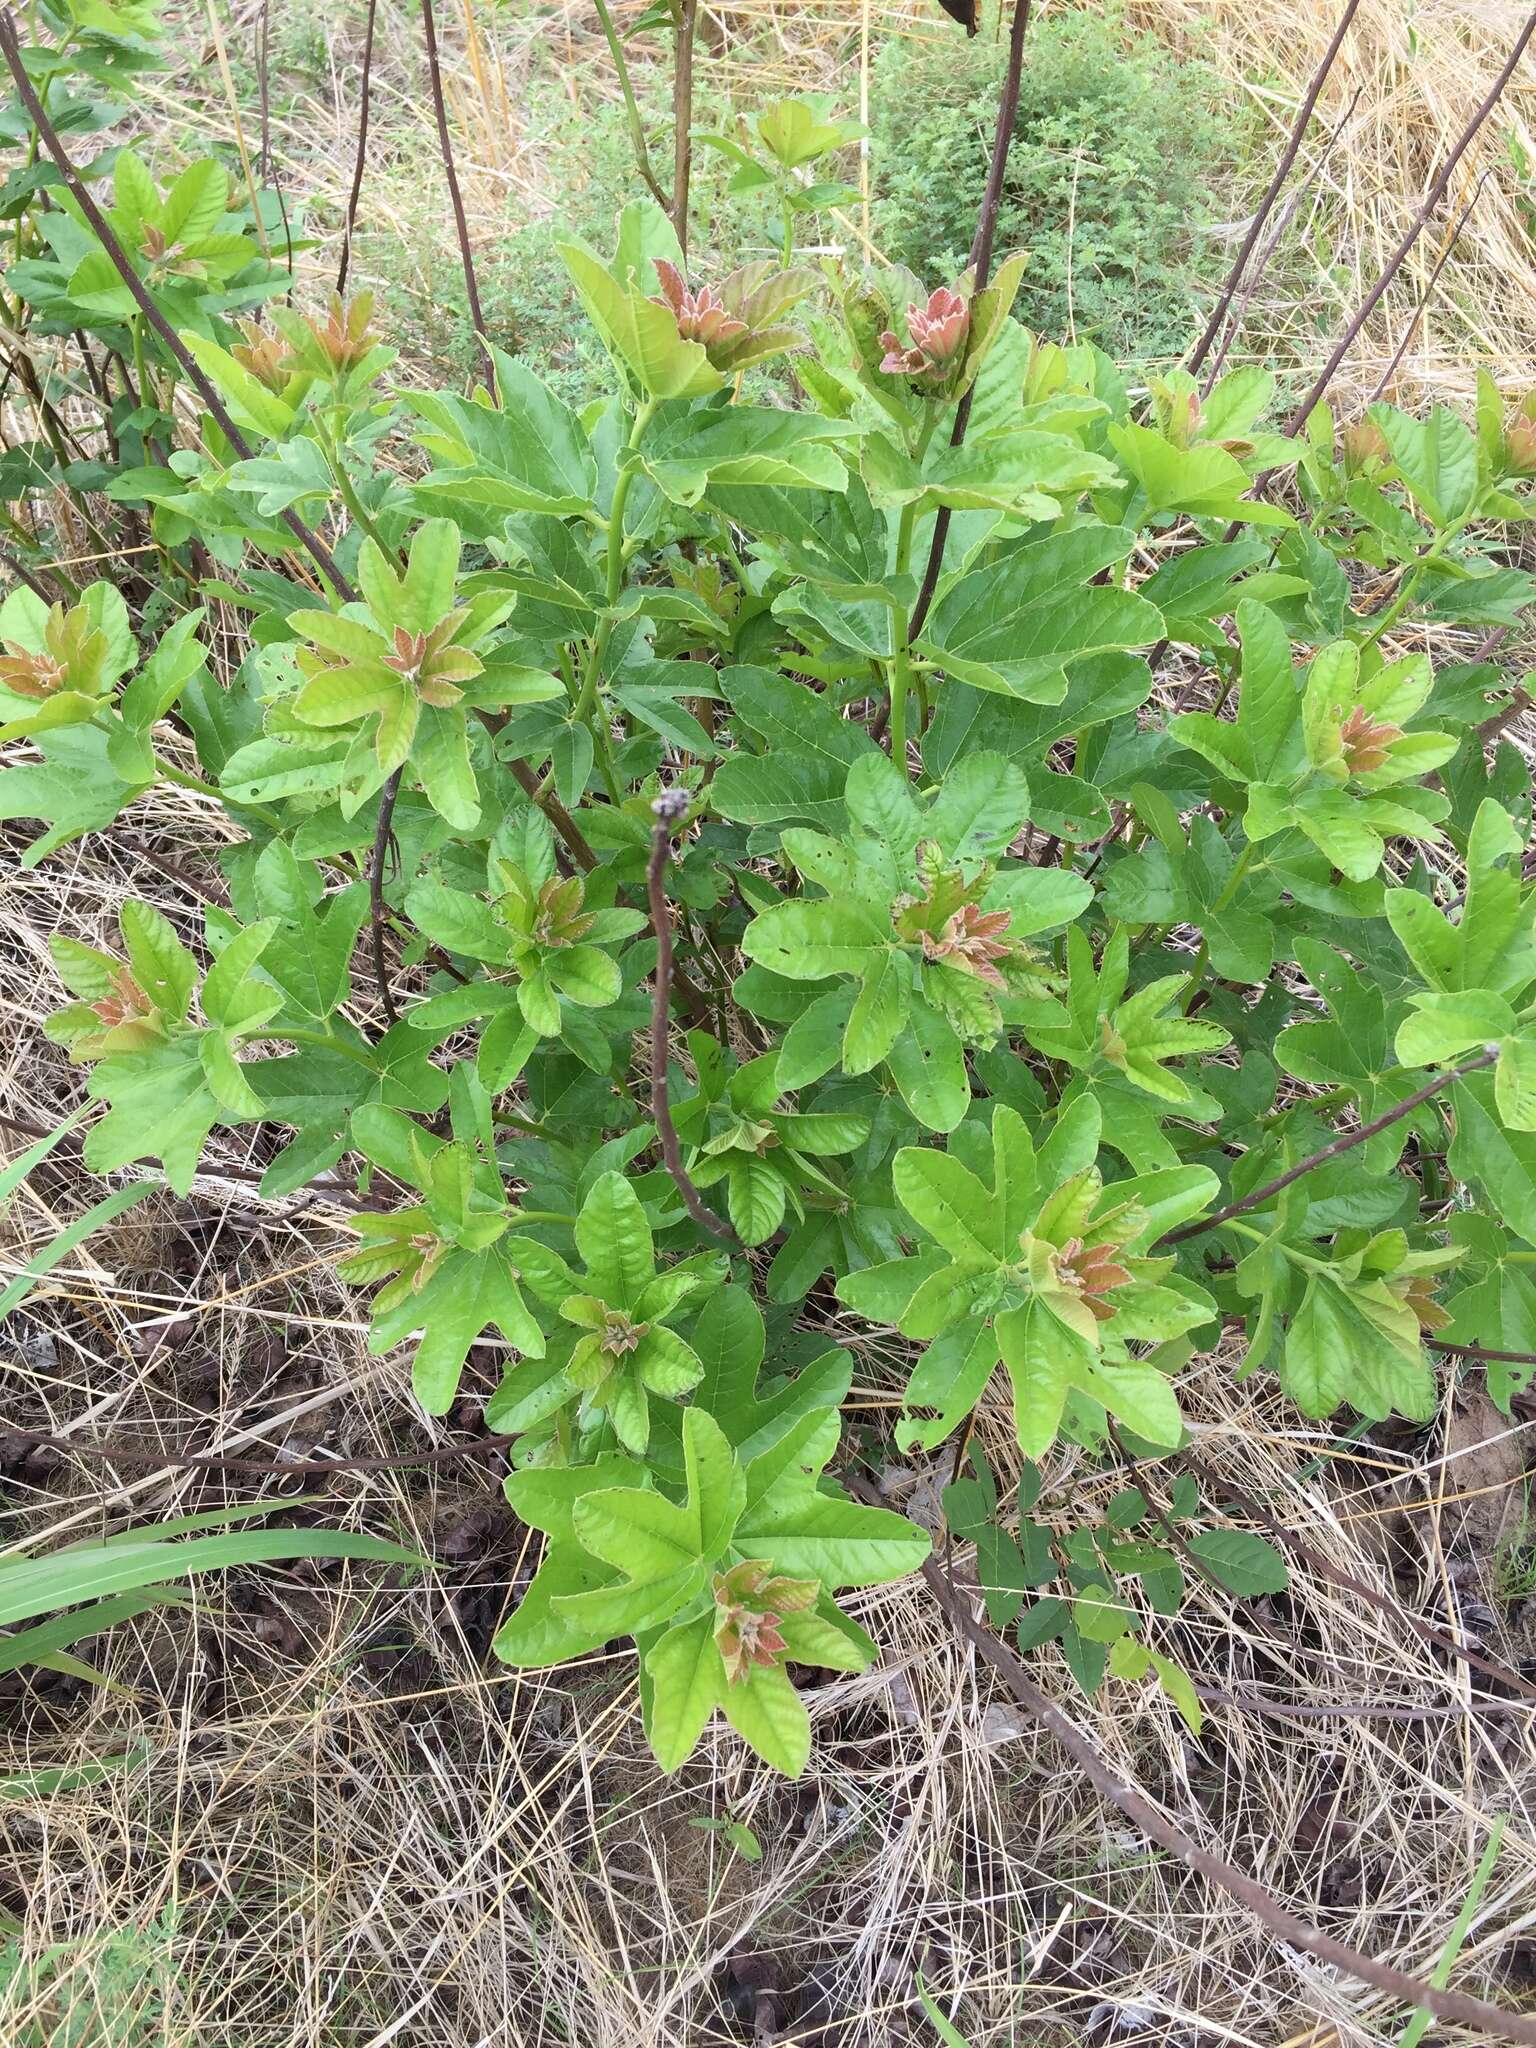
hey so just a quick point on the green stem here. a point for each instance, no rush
(631, 107)
(356, 510)
(198, 787)
(1296, 1258)
(1234, 880)
(147, 393)
(1410, 583)
(513, 1122)
(295, 1034)
(586, 703)
(1233, 884)
(1196, 977)
(900, 675)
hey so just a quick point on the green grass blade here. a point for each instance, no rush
(68, 1577)
(16, 1290)
(1440, 1975)
(47, 1638)
(12, 1176)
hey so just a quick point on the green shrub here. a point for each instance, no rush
(1056, 1032)
(1111, 164)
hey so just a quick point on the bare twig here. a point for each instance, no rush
(1277, 1919)
(360, 161)
(682, 115)
(455, 197)
(378, 910)
(670, 809)
(1260, 264)
(1282, 171)
(981, 266)
(1429, 287)
(1319, 1561)
(571, 834)
(1340, 1145)
(1480, 1352)
(118, 1453)
(10, 49)
(23, 574)
(1395, 261)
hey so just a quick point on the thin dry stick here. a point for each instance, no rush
(1456, 2006)
(1261, 263)
(981, 265)
(1429, 287)
(119, 1453)
(1282, 171)
(1399, 256)
(1318, 1561)
(10, 49)
(455, 197)
(378, 910)
(360, 161)
(1346, 1143)
(670, 809)
(682, 116)
(264, 82)
(1480, 1351)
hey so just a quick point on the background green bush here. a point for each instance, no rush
(1109, 178)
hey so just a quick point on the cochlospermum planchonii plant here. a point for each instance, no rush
(671, 898)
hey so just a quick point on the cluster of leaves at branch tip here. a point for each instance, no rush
(1038, 1041)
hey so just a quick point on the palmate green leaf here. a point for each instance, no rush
(312, 945)
(1252, 747)
(639, 333)
(729, 1340)
(1016, 626)
(810, 941)
(745, 445)
(524, 453)
(1354, 1343)
(951, 1377)
(1352, 1049)
(1436, 458)
(927, 1063)
(470, 1292)
(1501, 1162)
(161, 1108)
(1492, 944)
(687, 1683)
(615, 1241)
(951, 1204)
(756, 1198)
(545, 1498)
(74, 789)
(1204, 480)
(1496, 1310)
(814, 1535)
